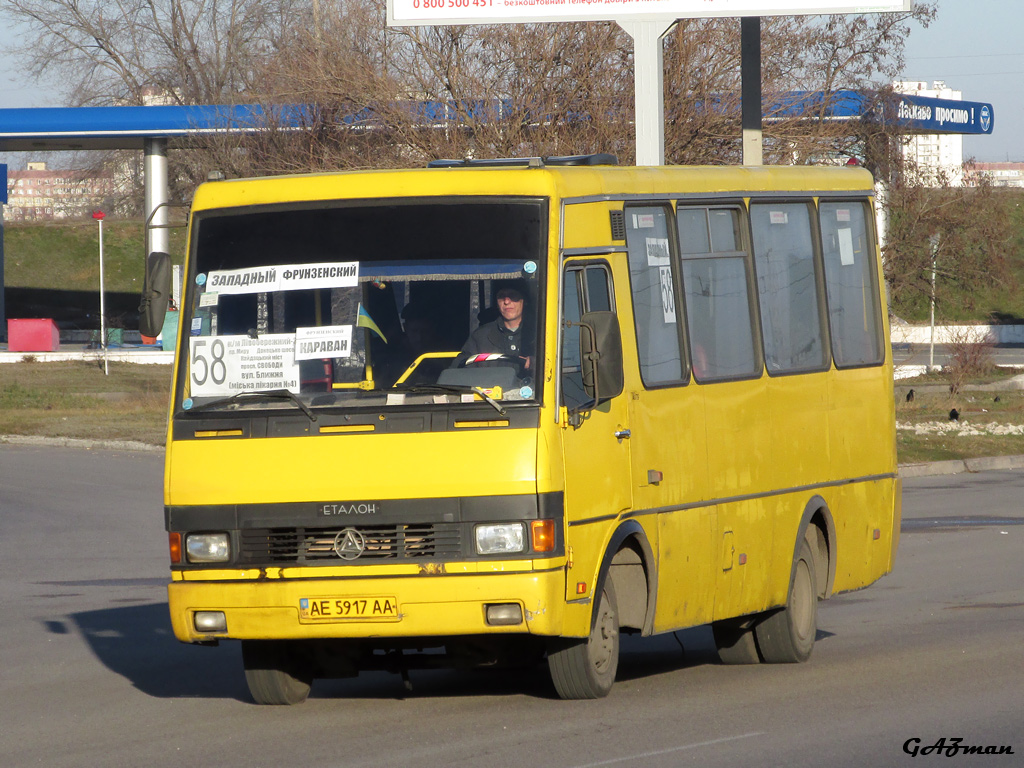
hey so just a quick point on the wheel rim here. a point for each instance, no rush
(802, 606)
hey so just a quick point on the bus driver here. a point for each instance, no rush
(504, 336)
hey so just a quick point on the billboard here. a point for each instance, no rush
(426, 12)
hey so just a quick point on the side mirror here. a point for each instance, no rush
(156, 291)
(601, 355)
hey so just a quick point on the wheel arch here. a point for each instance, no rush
(631, 554)
(817, 521)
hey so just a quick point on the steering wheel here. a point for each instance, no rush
(489, 357)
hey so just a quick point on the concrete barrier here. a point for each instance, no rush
(952, 334)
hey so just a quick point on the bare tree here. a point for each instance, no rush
(380, 97)
(135, 51)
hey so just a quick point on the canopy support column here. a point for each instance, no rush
(155, 179)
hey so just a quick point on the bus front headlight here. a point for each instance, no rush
(207, 548)
(503, 538)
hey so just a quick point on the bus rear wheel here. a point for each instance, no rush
(787, 636)
(585, 669)
(274, 672)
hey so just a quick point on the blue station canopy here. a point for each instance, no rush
(60, 128)
(63, 128)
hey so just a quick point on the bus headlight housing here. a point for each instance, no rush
(208, 548)
(500, 539)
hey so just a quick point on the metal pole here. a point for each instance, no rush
(931, 344)
(155, 173)
(750, 88)
(103, 309)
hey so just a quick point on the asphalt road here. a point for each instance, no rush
(91, 675)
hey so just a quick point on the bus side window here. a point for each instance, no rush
(787, 286)
(717, 289)
(851, 282)
(586, 289)
(652, 281)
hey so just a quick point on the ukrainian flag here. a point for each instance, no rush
(363, 320)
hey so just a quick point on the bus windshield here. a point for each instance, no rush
(364, 304)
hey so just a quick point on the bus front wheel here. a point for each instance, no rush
(274, 672)
(787, 636)
(585, 669)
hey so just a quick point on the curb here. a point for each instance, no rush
(957, 466)
(74, 442)
(926, 469)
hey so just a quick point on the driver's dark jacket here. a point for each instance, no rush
(494, 337)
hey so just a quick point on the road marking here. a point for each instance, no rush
(673, 749)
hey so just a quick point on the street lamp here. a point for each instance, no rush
(99, 215)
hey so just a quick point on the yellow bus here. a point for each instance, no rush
(498, 412)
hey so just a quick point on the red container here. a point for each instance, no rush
(32, 335)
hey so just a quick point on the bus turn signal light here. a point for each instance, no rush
(175, 542)
(542, 534)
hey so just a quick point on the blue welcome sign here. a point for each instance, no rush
(923, 113)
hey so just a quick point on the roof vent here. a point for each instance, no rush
(600, 158)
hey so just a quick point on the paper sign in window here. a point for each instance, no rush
(845, 236)
(668, 299)
(326, 341)
(657, 252)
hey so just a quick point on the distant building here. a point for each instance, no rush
(998, 174)
(938, 157)
(40, 194)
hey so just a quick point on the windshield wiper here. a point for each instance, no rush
(453, 388)
(270, 394)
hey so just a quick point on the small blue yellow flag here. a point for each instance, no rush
(363, 320)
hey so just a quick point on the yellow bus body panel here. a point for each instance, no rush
(386, 466)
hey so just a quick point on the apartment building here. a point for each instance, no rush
(938, 157)
(41, 194)
(998, 174)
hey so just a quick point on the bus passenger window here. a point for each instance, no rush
(787, 286)
(716, 280)
(653, 286)
(853, 303)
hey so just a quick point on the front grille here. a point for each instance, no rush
(383, 542)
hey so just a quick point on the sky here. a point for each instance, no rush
(974, 46)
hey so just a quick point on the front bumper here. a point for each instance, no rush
(427, 605)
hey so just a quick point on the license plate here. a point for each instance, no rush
(335, 608)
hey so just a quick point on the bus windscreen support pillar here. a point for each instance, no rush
(750, 75)
(648, 85)
(155, 170)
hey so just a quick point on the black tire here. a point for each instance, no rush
(274, 672)
(585, 669)
(735, 641)
(787, 636)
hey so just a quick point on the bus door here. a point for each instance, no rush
(595, 441)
